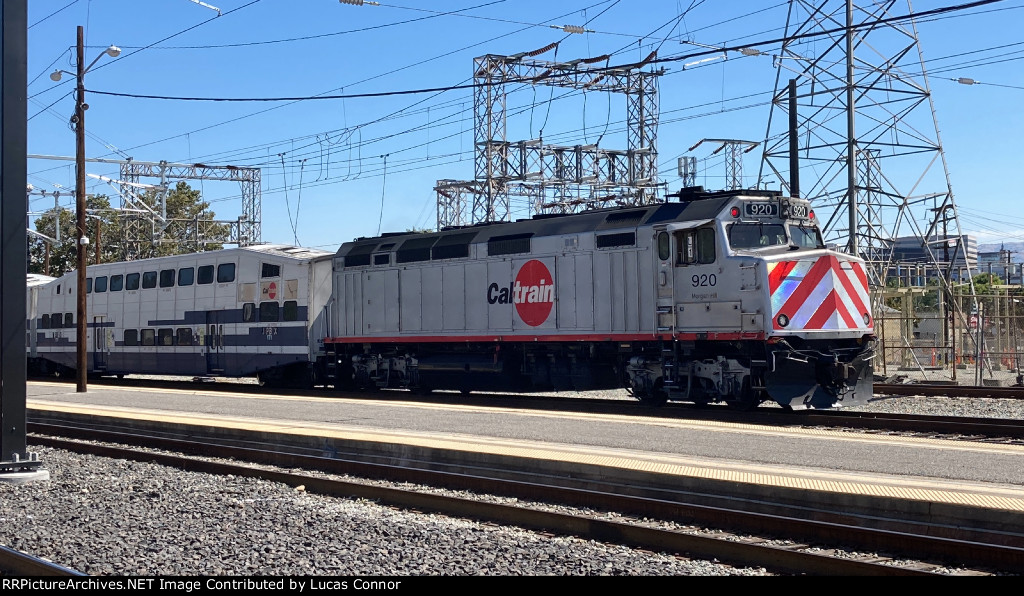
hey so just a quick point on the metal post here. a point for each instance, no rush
(83, 240)
(979, 337)
(851, 140)
(794, 143)
(16, 464)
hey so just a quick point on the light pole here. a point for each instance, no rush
(83, 240)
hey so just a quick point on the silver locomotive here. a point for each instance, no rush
(710, 297)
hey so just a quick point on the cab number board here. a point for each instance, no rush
(761, 209)
(798, 211)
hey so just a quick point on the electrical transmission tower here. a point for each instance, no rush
(553, 178)
(733, 158)
(868, 134)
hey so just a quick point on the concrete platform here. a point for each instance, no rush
(652, 473)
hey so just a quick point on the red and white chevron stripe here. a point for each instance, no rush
(821, 294)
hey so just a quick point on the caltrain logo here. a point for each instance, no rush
(532, 293)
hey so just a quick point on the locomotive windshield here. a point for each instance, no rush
(756, 235)
(806, 237)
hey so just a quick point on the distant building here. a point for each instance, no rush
(1000, 263)
(911, 257)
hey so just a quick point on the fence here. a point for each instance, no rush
(969, 338)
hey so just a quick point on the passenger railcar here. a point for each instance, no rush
(727, 296)
(252, 311)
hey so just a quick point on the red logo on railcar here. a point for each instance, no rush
(532, 293)
(272, 290)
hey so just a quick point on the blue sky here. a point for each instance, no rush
(323, 161)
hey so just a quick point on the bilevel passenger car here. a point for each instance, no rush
(238, 312)
(711, 297)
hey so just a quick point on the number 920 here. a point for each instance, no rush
(704, 280)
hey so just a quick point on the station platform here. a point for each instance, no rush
(943, 481)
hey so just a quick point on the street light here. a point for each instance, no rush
(83, 241)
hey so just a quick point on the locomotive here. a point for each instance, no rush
(712, 297)
(708, 297)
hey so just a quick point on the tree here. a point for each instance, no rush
(190, 226)
(131, 235)
(63, 257)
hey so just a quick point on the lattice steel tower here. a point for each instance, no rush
(869, 148)
(552, 178)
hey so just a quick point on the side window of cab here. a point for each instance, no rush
(695, 247)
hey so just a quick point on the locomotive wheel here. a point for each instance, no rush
(657, 397)
(748, 399)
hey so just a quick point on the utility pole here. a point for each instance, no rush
(83, 241)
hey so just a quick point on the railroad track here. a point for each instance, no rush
(954, 428)
(18, 564)
(940, 389)
(746, 538)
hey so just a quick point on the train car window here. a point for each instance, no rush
(806, 237)
(705, 245)
(88, 285)
(684, 248)
(131, 281)
(249, 312)
(167, 278)
(45, 323)
(756, 235)
(165, 337)
(148, 337)
(58, 289)
(270, 312)
(291, 310)
(101, 284)
(512, 244)
(131, 337)
(69, 320)
(56, 320)
(613, 240)
(186, 275)
(270, 270)
(664, 246)
(116, 283)
(225, 273)
(148, 280)
(384, 259)
(205, 275)
(184, 336)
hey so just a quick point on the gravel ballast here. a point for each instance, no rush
(104, 516)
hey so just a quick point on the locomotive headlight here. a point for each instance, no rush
(782, 320)
(867, 319)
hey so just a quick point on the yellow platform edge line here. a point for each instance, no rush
(657, 463)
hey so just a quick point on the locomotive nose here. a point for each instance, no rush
(819, 295)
